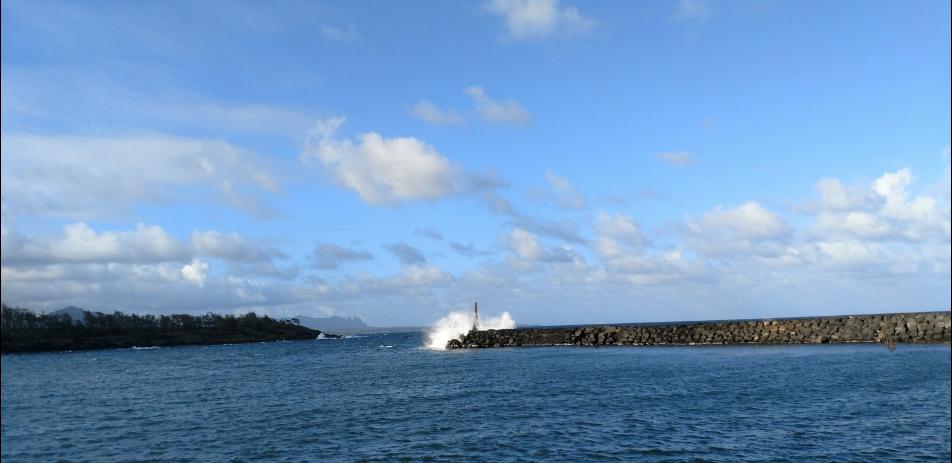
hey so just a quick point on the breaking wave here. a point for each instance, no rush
(456, 324)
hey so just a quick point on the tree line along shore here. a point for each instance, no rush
(26, 331)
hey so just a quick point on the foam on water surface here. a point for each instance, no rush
(456, 324)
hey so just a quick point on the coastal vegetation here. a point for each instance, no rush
(26, 331)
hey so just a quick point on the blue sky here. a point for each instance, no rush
(564, 161)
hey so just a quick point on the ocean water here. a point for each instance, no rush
(384, 398)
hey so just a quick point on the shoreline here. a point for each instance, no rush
(112, 344)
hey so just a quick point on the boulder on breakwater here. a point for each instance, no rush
(915, 327)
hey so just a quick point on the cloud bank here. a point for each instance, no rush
(539, 19)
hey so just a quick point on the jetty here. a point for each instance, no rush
(889, 329)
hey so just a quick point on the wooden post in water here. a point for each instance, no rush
(475, 316)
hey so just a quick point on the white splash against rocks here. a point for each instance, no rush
(456, 324)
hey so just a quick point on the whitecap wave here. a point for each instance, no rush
(144, 348)
(456, 324)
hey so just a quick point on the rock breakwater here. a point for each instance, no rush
(917, 327)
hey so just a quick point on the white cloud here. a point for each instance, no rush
(878, 245)
(327, 256)
(430, 233)
(527, 250)
(945, 184)
(835, 196)
(412, 280)
(80, 243)
(616, 233)
(195, 271)
(405, 253)
(341, 34)
(491, 111)
(855, 223)
(847, 258)
(152, 288)
(126, 100)
(564, 230)
(620, 227)
(565, 195)
(693, 10)
(247, 290)
(608, 248)
(874, 229)
(641, 269)
(539, 19)
(144, 247)
(230, 246)
(738, 233)
(749, 220)
(468, 250)
(627, 258)
(882, 210)
(87, 177)
(892, 185)
(498, 112)
(383, 171)
(921, 215)
(266, 269)
(422, 275)
(561, 254)
(428, 112)
(677, 159)
(247, 117)
(525, 244)
(558, 182)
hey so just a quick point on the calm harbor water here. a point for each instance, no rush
(383, 398)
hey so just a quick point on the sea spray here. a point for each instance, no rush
(456, 324)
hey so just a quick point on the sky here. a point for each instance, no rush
(565, 161)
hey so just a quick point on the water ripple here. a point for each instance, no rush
(351, 400)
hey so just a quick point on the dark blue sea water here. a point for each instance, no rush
(382, 398)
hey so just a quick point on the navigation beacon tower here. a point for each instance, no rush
(475, 316)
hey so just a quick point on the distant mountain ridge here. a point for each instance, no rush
(335, 324)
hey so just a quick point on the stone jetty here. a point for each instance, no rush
(914, 327)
